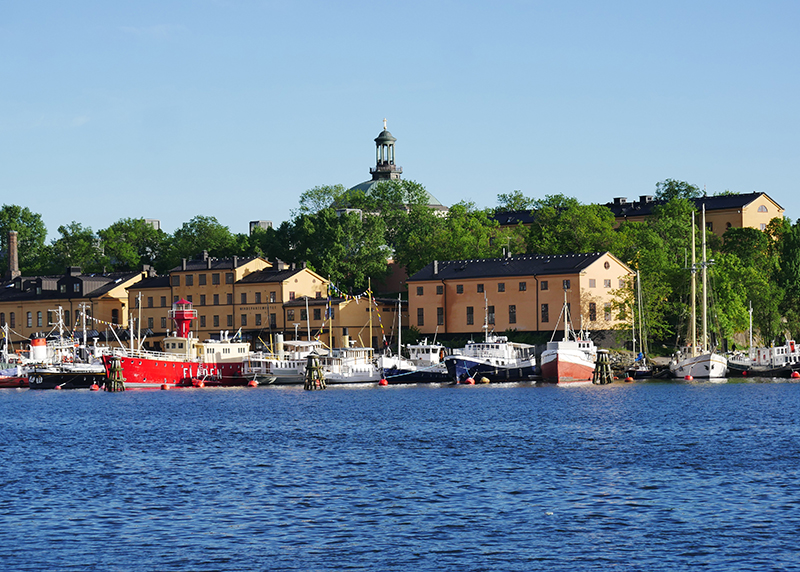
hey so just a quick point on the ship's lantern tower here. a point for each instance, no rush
(183, 314)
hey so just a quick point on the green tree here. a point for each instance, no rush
(130, 243)
(77, 246)
(31, 235)
(789, 275)
(672, 189)
(314, 200)
(562, 225)
(514, 201)
(193, 237)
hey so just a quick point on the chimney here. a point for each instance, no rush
(208, 262)
(183, 264)
(235, 262)
(435, 267)
(13, 258)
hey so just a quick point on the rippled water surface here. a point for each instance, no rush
(643, 476)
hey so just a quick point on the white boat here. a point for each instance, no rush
(572, 359)
(423, 364)
(350, 365)
(284, 366)
(699, 360)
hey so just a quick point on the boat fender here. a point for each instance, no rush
(164, 386)
(94, 387)
(795, 375)
(629, 379)
(383, 382)
(688, 378)
(252, 383)
(469, 381)
(744, 373)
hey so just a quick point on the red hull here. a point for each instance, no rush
(12, 382)
(563, 371)
(146, 372)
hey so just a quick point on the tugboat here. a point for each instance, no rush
(186, 361)
(571, 360)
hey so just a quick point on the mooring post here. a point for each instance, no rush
(115, 381)
(602, 370)
(314, 378)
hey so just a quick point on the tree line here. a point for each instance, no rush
(348, 235)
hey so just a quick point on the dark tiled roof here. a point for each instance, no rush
(513, 218)
(525, 265)
(94, 285)
(198, 264)
(269, 275)
(154, 282)
(644, 207)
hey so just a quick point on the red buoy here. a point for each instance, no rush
(57, 387)
(629, 379)
(469, 381)
(94, 387)
(795, 375)
(383, 382)
(164, 386)
(744, 374)
(688, 378)
(252, 383)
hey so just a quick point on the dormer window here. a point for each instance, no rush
(76, 287)
(62, 288)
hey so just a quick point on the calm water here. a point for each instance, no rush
(643, 476)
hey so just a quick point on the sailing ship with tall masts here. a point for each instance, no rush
(699, 360)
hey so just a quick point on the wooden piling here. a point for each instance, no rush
(602, 370)
(314, 378)
(115, 381)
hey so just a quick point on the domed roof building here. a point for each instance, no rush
(386, 168)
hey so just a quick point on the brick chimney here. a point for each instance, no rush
(13, 257)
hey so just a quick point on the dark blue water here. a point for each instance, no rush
(644, 476)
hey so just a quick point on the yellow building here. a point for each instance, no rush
(524, 293)
(747, 210)
(29, 304)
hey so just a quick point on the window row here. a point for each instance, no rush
(244, 298)
(512, 314)
(523, 286)
(188, 279)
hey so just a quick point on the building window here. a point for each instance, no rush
(114, 316)
(76, 287)
(38, 319)
(230, 320)
(149, 301)
(12, 320)
(216, 299)
(303, 315)
(523, 286)
(202, 299)
(244, 297)
(512, 314)
(190, 279)
(607, 311)
(66, 316)
(244, 320)
(258, 319)
(215, 321)
(440, 316)
(763, 226)
(606, 283)
(440, 290)
(273, 321)
(470, 315)
(291, 295)
(202, 320)
(150, 323)
(318, 295)
(317, 314)
(215, 278)
(272, 297)
(163, 301)
(258, 297)
(290, 315)
(420, 316)
(189, 298)
(2, 318)
(762, 209)
(63, 288)
(592, 283)
(50, 318)
(480, 288)
(175, 279)
(565, 284)
(229, 278)
(545, 313)
(543, 285)
(229, 298)
(592, 312)
(621, 283)
(501, 286)
(709, 226)
(491, 314)
(201, 279)
(419, 290)
(460, 289)
(164, 323)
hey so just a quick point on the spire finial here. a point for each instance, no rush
(384, 124)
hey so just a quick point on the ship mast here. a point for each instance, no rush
(694, 293)
(705, 286)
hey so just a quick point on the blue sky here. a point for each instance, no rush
(231, 108)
